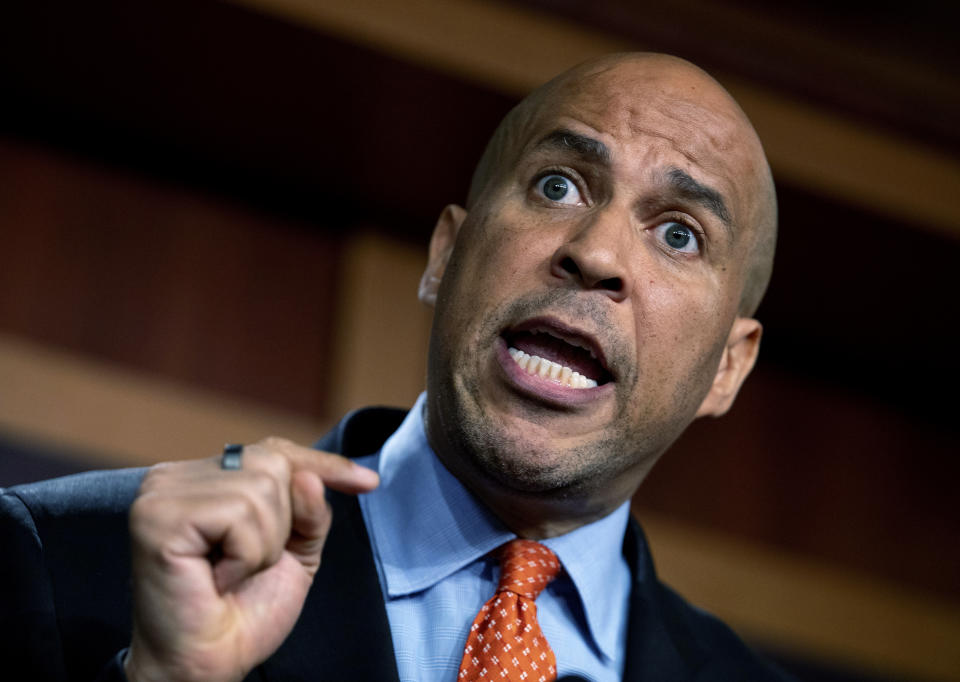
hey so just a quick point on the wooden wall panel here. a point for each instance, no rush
(83, 413)
(803, 465)
(163, 279)
(382, 329)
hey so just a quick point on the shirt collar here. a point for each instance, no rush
(592, 556)
(426, 526)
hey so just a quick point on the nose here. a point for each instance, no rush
(593, 257)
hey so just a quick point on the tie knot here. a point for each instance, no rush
(526, 567)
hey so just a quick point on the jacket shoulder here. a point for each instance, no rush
(672, 639)
(89, 492)
(64, 581)
(722, 653)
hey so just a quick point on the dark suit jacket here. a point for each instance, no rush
(65, 597)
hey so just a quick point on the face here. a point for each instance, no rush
(612, 241)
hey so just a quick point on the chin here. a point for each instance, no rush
(522, 457)
(501, 438)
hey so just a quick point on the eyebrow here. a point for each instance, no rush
(706, 196)
(587, 147)
(682, 183)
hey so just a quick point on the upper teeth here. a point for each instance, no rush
(534, 364)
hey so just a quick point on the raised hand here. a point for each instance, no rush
(223, 560)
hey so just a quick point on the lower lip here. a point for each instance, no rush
(546, 390)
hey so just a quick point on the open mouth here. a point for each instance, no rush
(560, 355)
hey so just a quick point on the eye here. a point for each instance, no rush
(678, 236)
(559, 189)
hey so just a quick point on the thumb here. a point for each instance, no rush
(311, 519)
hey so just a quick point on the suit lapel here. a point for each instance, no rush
(652, 651)
(343, 632)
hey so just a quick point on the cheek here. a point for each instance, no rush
(510, 252)
(679, 326)
(492, 265)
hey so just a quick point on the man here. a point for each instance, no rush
(595, 296)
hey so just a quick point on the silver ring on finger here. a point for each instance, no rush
(232, 457)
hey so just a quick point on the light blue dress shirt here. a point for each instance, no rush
(430, 540)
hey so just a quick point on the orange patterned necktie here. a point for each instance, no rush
(505, 640)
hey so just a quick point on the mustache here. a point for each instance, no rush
(568, 303)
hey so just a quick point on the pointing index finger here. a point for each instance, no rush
(343, 474)
(336, 471)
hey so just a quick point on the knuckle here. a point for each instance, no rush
(148, 519)
(248, 525)
(274, 465)
(259, 512)
(274, 443)
(279, 465)
(155, 477)
(148, 504)
(142, 508)
(249, 509)
(267, 485)
(261, 523)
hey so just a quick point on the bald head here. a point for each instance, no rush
(691, 99)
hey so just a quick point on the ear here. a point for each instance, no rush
(441, 246)
(740, 353)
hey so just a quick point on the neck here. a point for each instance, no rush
(534, 518)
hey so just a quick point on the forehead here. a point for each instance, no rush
(655, 116)
(650, 97)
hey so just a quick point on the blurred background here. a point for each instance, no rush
(213, 216)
